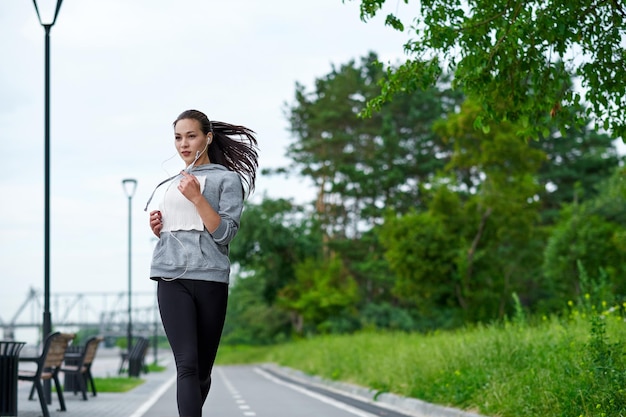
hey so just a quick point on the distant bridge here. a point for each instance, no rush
(105, 311)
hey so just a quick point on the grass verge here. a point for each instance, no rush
(558, 367)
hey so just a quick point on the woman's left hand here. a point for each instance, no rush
(189, 186)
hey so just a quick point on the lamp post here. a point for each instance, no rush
(129, 185)
(47, 18)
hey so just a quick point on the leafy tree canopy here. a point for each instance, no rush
(593, 234)
(516, 57)
(362, 167)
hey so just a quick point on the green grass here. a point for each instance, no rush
(117, 384)
(123, 383)
(153, 367)
(571, 367)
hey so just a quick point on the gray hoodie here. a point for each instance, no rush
(187, 253)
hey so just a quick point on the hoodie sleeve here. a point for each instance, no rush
(230, 208)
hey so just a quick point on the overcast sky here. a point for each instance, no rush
(121, 71)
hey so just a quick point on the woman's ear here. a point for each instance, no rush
(209, 138)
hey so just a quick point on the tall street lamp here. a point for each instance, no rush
(47, 12)
(129, 185)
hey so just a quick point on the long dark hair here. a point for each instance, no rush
(239, 155)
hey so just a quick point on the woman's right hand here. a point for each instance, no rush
(156, 222)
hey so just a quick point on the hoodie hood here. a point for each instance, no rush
(206, 168)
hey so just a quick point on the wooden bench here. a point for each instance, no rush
(78, 365)
(48, 366)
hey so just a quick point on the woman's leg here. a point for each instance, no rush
(211, 302)
(178, 314)
(193, 314)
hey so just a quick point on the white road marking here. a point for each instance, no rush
(154, 398)
(322, 398)
(235, 394)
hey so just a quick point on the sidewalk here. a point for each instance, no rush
(128, 404)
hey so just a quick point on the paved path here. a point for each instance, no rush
(237, 391)
(249, 391)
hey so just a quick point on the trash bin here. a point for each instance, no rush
(73, 354)
(9, 362)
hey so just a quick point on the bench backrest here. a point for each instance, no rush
(54, 349)
(91, 347)
(140, 348)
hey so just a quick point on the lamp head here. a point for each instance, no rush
(47, 11)
(130, 185)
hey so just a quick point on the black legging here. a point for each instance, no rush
(193, 314)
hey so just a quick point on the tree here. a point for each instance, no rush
(250, 319)
(422, 250)
(591, 233)
(473, 247)
(515, 57)
(575, 164)
(321, 291)
(276, 236)
(362, 167)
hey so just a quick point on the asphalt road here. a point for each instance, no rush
(249, 391)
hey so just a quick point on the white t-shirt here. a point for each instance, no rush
(178, 213)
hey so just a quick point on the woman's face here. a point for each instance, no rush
(189, 139)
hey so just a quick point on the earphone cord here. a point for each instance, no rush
(170, 179)
(156, 188)
(186, 259)
(171, 232)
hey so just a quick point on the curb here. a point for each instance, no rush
(409, 406)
